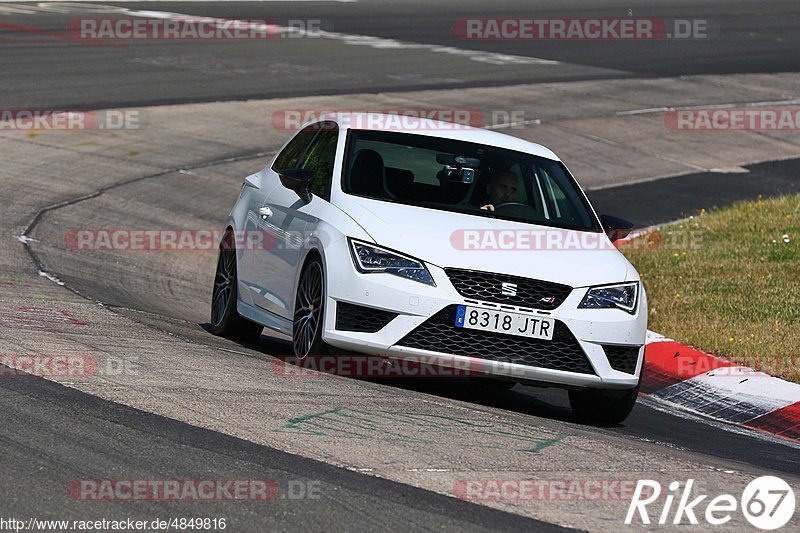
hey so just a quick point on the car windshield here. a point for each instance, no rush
(464, 177)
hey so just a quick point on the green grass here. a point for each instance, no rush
(728, 283)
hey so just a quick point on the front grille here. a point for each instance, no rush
(622, 358)
(439, 334)
(488, 286)
(351, 317)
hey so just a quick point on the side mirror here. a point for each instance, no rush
(299, 180)
(616, 228)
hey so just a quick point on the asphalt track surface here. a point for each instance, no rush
(683, 196)
(42, 66)
(40, 455)
(54, 434)
(88, 435)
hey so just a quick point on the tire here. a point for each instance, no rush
(309, 312)
(487, 384)
(600, 407)
(225, 319)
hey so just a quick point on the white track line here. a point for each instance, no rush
(367, 40)
(765, 103)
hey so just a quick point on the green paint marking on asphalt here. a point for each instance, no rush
(546, 443)
(303, 423)
(425, 429)
(310, 425)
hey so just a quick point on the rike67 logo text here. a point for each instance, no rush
(767, 503)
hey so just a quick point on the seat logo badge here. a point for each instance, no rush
(508, 289)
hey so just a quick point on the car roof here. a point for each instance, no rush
(433, 128)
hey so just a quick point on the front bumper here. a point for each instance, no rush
(416, 303)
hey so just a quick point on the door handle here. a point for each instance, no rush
(265, 212)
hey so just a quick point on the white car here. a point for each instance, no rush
(407, 238)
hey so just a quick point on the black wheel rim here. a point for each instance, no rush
(223, 285)
(308, 310)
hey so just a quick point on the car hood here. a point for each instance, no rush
(455, 240)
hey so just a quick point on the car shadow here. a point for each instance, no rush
(550, 403)
(537, 401)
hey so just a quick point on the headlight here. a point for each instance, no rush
(370, 258)
(622, 296)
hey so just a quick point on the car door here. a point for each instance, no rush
(287, 220)
(252, 245)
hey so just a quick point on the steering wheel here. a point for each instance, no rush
(509, 204)
(515, 209)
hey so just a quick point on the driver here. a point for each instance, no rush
(502, 189)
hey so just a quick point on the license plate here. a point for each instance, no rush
(535, 327)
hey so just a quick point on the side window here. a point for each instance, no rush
(319, 158)
(290, 156)
(557, 205)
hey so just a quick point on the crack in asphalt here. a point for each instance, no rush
(25, 238)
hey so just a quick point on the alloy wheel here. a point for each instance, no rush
(308, 309)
